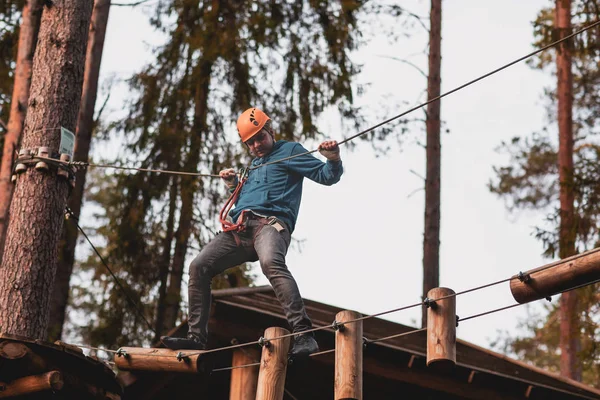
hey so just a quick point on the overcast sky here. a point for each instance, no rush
(362, 238)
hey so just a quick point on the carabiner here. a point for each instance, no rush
(243, 173)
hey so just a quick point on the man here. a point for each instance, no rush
(260, 227)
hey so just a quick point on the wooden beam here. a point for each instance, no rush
(244, 381)
(150, 359)
(273, 365)
(348, 383)
(556, 277)
(52, 380)
(441, 328)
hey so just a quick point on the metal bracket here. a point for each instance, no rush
(44, 160)
(264, 342)
(244, 173)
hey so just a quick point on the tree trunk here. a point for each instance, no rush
(569, 336)
(36, 213)
(30, 25)
(85, 126)
(431, 236)
(188, 188)
(160, 324)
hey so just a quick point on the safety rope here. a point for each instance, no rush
(69, 215)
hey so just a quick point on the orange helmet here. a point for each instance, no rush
(251, 122)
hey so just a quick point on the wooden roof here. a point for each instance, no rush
(391, 368)
(73, 375)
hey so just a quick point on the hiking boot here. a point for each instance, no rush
(304, 346)
(176, 343)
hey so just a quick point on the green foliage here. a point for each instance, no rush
(530, 182)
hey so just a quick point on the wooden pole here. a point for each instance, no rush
(244, 380)
(32, 384)
(273, 366)
(144, 359)
(556, 277)
(441, 328)
(349, 357)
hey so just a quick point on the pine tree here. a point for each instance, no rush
(531, 181)
(83, 136)
(36, 214)
(431, 235)
(30, 22)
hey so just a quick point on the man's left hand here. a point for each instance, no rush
(330, 150)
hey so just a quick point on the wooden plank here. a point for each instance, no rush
(166, 360)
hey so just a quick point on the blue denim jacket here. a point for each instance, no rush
(276, 189)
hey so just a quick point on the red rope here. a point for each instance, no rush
(227, 225)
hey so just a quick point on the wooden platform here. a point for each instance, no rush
(33, 369)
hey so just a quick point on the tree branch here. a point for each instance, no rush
(413, 172)
(407, 62)
(3, 125)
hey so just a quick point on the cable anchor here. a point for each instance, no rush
(429, 303)
(338, 326)
(262, 342)
(122, 353)
(525, 278)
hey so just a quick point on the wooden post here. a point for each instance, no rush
(144, 359)
(273, 366)
(556, 277)
(244, 380)
(32, 384)
(441, 328)
(349, 357)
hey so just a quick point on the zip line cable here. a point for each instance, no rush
(443, 94)
(132, 303)
(456, 89)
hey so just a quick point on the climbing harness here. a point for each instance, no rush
(227, 224)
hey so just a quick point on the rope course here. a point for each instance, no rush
(335, 325)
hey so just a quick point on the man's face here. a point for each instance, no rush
(260, 144)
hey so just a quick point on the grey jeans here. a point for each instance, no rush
(257, 242)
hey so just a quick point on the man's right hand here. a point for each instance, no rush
(229, 176)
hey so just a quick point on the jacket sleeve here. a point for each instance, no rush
(325, 173)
